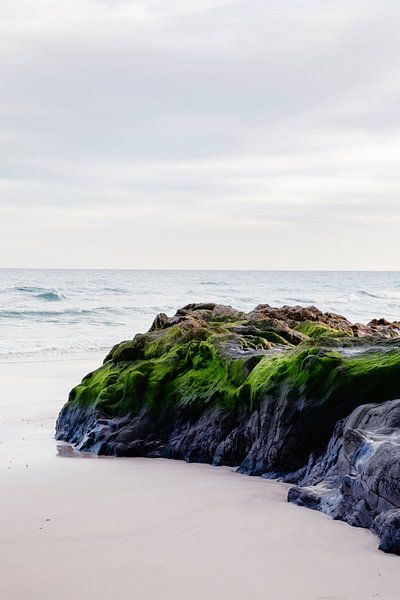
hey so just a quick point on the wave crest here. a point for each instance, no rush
(47, 294)
(51, 296)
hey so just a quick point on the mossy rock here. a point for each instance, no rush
(203, 357)
(268, 392)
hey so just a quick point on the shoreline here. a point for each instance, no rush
(47, 358)
(157, 529)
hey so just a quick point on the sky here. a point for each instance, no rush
(200, 134)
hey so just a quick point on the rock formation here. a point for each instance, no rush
(284, 392)
(357, 479)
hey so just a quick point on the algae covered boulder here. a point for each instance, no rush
(263, 391)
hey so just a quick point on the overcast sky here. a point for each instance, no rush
(200, 134)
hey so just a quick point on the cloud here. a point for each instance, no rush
(200, 122)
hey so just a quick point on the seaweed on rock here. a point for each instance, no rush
(268, 392)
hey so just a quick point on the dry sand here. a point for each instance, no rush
(105, 528)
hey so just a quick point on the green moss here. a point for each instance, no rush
(274, 338)
(87, 392)
(197, 367)
(299, 372)
(159, 342)
(319, 330)
(369, 377)
(326, 376)
(208, 377)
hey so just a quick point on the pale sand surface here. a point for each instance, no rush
(140, 529)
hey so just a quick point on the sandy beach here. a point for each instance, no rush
(90, 528)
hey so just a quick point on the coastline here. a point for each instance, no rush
(153, 528)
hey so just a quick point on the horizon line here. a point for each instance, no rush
(201, 269)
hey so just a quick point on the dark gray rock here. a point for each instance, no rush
(278, 392)
(357, 479)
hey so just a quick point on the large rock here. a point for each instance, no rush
(276, 392)
(357, 479)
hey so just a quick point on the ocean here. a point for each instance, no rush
(57, 312)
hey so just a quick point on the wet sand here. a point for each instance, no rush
(88, 528)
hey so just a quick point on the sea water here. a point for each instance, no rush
(59, 312)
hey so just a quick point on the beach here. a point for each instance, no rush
(199, 300)
(78, 526)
